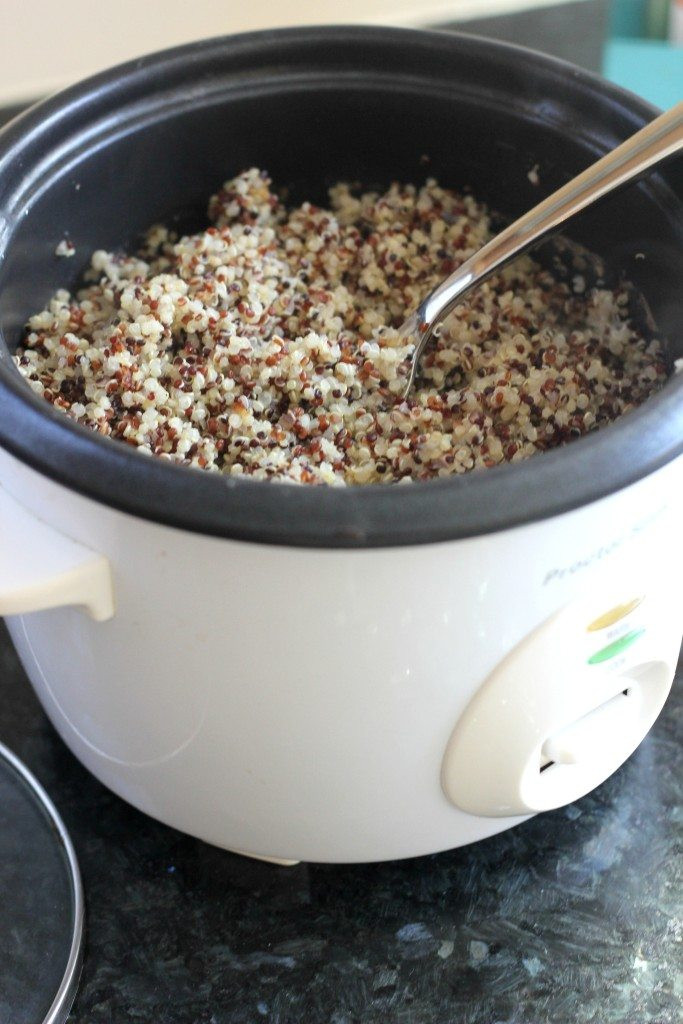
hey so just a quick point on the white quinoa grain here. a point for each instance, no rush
(65, 248)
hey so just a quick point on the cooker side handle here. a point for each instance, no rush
(40, 568)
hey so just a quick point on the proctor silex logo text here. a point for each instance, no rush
(601, 552)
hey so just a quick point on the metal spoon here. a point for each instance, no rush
(659, 140)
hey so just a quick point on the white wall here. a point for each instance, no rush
(46, 44)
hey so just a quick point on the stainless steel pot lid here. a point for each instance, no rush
(41, 902)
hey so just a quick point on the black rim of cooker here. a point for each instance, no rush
(478, 503)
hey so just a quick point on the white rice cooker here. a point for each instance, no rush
(320, 673)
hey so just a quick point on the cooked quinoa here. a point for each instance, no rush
(267, 345)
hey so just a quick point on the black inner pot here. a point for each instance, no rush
(151, 140)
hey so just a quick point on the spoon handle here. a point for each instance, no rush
(660, 139)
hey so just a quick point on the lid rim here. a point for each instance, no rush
(66, 993)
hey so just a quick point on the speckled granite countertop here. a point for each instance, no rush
(574, 917)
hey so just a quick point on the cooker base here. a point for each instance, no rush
(279, 862)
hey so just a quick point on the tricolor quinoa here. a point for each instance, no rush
(267, 345)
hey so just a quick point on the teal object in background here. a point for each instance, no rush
(652, 69)
(637, 55)
(639, 19)
(627, 19)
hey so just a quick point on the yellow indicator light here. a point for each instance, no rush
(620, 611)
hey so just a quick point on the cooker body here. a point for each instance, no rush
(362, 686)
(300, 703)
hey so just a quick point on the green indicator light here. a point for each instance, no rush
(615, 648)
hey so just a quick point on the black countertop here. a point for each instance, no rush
(573, 916)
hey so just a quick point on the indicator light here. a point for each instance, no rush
(615, 648)
(620, 611)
